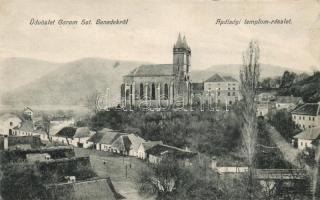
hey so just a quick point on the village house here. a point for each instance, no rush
(57, 123)
(264, 97)
(287, 102)
(222, 89)
(263, 109)
(27, 128)
(8, 122)
(78, 137)
(28, 112)
(104, 138)
(159, 152)
(64, 136)
(82, 136)
(127, 144)
(307, 115)
(307, 138)
(144, 146)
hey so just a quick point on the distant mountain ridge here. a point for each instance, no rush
(36, 82)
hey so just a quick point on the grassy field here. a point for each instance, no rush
(122, 170)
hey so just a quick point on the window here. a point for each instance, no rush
(294, 117)
(303, 117)
(141, 91)
(153, 91)
(313, 118)
(11, 123)
(228, 93)
(234, 88)
(123, 90)
(218, 93)
(309, 118)
(234, 94)
(166, 91)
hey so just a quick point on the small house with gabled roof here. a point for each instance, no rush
(308, 138)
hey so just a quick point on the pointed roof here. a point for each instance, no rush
(185, 42)
(309, 134)
(181, 43)
(219, 78)
(312, 109)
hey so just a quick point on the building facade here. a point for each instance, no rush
(160, 84)
(222, 89)
(307, 115)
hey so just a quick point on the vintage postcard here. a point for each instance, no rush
(159, 99)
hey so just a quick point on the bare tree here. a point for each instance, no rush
(249, 78)
(92, 101)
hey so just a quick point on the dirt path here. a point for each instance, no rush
(123, 171)
(289, 152)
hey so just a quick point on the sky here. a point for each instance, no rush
(153, 28)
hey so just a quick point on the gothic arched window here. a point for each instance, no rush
(153, 92)
(141, 91)
(166, 91)
(122, 90)
(172, 90)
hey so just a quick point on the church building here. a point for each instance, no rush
(160, 84)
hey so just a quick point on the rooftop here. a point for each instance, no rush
(152, 70)
(82, 132)
(312, 109)
(26, 126)
(149, 144)
(288, 99)
(309, 134)
(68, 132)
(161, 149)
(105, 136)
(220, 78)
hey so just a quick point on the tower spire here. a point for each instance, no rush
(185, 44)
(179, 42)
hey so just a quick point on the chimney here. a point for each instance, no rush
(6, 142)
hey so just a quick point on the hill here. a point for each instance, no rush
(36, 82)
(16, 72)
(71, 83)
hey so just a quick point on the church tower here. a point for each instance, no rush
(181, 68)
(181, 58)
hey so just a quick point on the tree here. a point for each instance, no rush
(249, 78)
(288, 78)
(92, 101)
(167, 180)
(282, 121)
(22, 182)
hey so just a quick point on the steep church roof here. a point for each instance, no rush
(153, 70)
